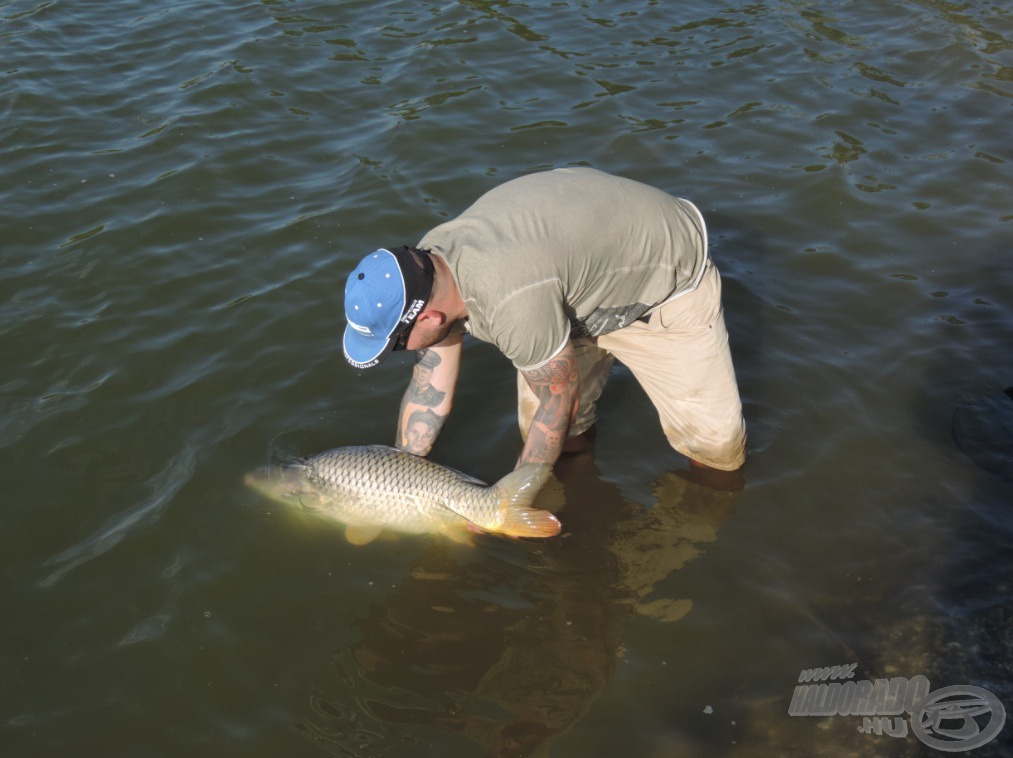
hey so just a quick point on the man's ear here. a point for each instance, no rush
(432, 318)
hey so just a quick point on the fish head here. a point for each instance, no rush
(284, 485)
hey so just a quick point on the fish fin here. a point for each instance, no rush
(517, 491)
(466, 477)
(528, 522)
(362, 534)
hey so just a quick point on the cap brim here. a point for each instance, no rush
(362, 351)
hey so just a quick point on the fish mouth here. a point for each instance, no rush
(276, 484)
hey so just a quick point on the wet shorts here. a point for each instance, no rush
(681, 358)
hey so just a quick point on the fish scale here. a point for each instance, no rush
(411, 490)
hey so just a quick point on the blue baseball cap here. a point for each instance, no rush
(384, 296)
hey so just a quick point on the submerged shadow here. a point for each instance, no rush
(509, 647)
(974, 629)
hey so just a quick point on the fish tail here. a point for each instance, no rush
(516, 492)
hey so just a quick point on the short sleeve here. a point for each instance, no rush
(530, 327)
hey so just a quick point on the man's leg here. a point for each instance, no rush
(682, 360)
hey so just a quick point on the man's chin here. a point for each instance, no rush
(433, 336)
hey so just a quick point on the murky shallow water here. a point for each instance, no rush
(185, 186)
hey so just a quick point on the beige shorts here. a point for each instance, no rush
(681, 358)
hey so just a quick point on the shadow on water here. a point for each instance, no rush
(746, 312)
(974, 622)
(510, 645)
(983, 429)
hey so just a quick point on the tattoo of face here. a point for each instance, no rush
(421, 432)
(428, 395)
(418, 422)
(421, 391)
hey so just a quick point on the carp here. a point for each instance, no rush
(369, 488)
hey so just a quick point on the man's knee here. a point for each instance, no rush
(723, 449)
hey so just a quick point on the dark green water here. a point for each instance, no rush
(184, 188)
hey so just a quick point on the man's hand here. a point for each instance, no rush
(556, 385)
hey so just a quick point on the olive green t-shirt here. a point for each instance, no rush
(567, 253)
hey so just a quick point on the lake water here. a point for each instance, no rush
(185, 186)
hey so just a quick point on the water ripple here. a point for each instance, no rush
(164, 485)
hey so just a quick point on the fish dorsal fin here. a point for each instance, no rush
(467, 477)
(362, 534)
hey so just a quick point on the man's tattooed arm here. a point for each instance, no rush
(431, 389)
(556, 386)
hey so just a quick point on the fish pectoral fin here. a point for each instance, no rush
(362, 534)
